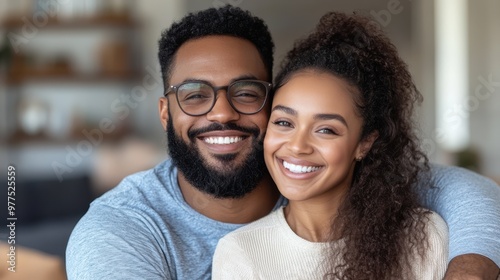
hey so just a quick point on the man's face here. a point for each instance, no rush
(219, 152)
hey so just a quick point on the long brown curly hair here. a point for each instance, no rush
(379, 220)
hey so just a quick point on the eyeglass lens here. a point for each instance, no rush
(197, 98)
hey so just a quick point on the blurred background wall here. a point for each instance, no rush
(80, 83)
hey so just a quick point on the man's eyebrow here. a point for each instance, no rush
(331, 117)
(244, 77)
(193, 80)
(239, 78)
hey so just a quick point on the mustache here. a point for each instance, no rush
(220, 127)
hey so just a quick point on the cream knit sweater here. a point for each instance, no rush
(269, 249)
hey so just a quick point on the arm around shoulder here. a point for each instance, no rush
(470, 205)
(472, 267)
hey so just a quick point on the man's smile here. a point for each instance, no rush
(222, 140)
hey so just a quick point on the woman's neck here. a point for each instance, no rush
(312, 220)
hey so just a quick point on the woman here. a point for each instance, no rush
(340, 146)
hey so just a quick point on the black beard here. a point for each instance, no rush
(235, 181)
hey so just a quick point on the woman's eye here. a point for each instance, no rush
(327, 131)
(282, 123)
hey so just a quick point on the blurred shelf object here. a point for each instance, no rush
(20, 78)
(113, 59)
(75, 48)
(69, 14)
(20, 138)
(111, 20)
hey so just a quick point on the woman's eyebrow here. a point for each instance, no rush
(285, 109)
(331, 117)
(293, 112)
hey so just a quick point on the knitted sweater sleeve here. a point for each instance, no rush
(470, 205)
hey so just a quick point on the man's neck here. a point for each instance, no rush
(243, 210)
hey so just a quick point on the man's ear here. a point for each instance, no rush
(163, 110)
(365, 144)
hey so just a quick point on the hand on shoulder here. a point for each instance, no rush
(472, 267)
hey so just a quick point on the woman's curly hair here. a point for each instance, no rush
(379, 220)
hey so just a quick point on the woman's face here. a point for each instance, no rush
(313, 136)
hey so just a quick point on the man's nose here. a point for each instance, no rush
(222, 111)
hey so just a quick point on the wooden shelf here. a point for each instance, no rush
(13, 79)
(20, 138)
(122, 21)
(115, 64)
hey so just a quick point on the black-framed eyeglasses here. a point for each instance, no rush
(198, 98)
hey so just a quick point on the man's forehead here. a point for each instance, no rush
(217, 59)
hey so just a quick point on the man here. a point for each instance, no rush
(165, 223)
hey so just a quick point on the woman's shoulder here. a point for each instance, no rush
(436, 235)
(263, 226)
(435, 223)
(435, 226)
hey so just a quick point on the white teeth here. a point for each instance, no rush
(299, 168)
(222, 140)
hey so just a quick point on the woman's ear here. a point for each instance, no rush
(365, 145)
(163, 110)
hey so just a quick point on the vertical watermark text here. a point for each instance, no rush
(11, 217)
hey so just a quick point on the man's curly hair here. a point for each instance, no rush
(379, 219)
(227, 20)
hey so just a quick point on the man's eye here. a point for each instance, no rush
(196, 95)
(245, 93)
(246, 97)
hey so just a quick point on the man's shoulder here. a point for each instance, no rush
(134, 203)
(149, 195)
(448, 174)
(140, 186)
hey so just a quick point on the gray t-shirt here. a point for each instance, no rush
(143, 228)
